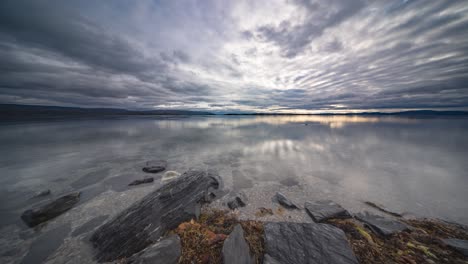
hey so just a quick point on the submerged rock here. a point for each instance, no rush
(155, 166)
(323, 210)
(166, 251)
(146, 221)
(281, 199)
(138, 182)
(381, 225)
(458, 244)
(35, 216)
(41, 193)
(169, 175)
(306, 243)
(240, 200)
(235, 248)
(383, 209)
(262, 211)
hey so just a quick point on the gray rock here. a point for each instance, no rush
(235, 248)
(308, 243)
(323, 210)
(281, 199)
(166, 251)
(138, 182)
(458, 244)
(146, 221)
(383, 209)
(90, 225)
(240, 200)
(155, 166)
(35, 216)
(381, 225)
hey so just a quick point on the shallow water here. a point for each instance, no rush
(416, 165)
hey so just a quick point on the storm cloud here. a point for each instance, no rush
(223, 56)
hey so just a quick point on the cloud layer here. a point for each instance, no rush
(270, 55)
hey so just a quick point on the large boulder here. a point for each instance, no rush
(166, 251)
(381, 225)
(323, 210)
(35, 216)
(235, 248)
(306, 243)
(155, 166)
(146, 221)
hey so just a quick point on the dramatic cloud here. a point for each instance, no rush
(275, 55)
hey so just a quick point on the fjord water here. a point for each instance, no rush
(416, 165)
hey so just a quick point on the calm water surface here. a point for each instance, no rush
(408, 164)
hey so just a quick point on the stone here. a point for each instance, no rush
(306, 243)
(381, 225)
(383, 209)
(285, 202)
(458, 244)
(142, 181)
(235, 248)
(169, 175)
(155, 166)
(144, 222)
(323, 210)
(35, 216)
(166, 251)
(240, 200)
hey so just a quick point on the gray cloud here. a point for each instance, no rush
(235, 56)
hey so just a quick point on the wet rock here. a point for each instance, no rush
(240, 200)
(323, 210)
(381, 225)
(166, 251)
(458, 244)
(383, 209)
(281, 199)
(155, 166)
(235, 248)
(41, 194)
(142, 181)
(169, 175)
(35, 216)
(146, 221)
(297, 243)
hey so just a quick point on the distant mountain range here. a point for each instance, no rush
(11, 112)
(402, 113)
(25, 112)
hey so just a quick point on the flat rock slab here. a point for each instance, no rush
(284, 201)
(381, 225)
(166, 251)
(142, 181)
(235, 248)
(155, 166)
(35, 216)
(306, 243)
(144, 222)
(323, 210)
(458, 244)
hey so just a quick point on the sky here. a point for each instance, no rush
(300, 56)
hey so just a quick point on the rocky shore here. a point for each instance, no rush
(175, 224)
